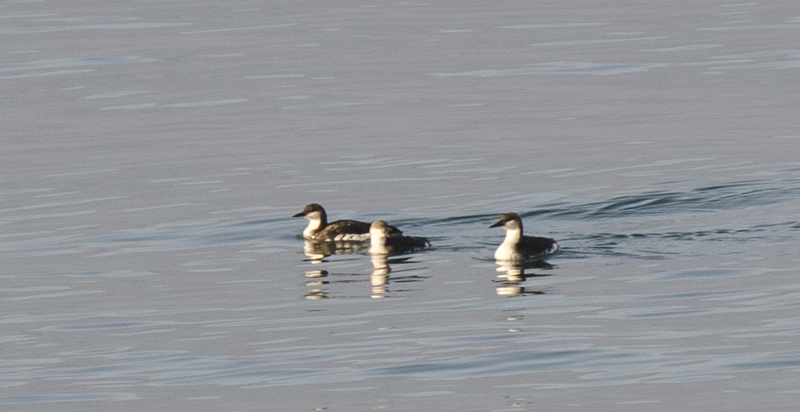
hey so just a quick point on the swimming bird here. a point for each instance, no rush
(381, 243)
(518, 247)
(341, 230)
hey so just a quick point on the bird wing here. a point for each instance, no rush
(342, 227)
(400, 244)
(535, 245)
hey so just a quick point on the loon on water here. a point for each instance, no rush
(341, 230)
(519, 247)
(381, 243)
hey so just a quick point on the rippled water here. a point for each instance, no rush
(155, 151)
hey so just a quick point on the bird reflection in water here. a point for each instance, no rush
(512, 274)
(380, 276)
(316, 278)
(321, 281)
(383, 244)
(317, 250)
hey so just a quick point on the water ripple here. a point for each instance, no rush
(71, 62)
(107, 26)
(560, 68)
(735, 195)
(66, 397)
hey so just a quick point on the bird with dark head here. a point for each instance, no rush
(516, 246)
(341, 230)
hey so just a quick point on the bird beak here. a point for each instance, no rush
(498, 224)
(301, 214)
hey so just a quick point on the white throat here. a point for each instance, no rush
(312, 228)
(508, 249)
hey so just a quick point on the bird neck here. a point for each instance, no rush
(314, 225)
(513, 236)
(377, 242)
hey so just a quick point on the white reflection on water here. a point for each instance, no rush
(512, 278)
(332, 282)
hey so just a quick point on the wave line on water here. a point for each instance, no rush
(559, 68)
(729, 196)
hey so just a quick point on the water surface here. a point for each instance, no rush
(154, 151)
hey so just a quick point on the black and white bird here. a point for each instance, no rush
(381, 243)
(516, 246)
(341, 230)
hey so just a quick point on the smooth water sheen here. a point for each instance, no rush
(153, 153)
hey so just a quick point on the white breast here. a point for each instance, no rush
(312, 228)
(508, 249)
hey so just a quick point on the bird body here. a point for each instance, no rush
(381, 243)
(341, 230)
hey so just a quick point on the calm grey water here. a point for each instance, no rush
(153, 153)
